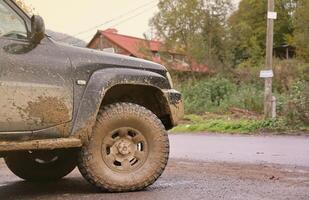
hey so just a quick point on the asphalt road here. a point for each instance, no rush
(285, 150)
(201, 167)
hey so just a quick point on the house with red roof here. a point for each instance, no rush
(111, 41)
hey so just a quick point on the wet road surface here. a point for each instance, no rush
(286, 150)
(216, 169)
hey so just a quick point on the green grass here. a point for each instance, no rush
(220, 126)
(195, 123)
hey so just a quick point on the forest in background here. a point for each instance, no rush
(232, 43)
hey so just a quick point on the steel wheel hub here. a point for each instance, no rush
(124, 149)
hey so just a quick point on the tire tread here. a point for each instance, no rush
(105, 114)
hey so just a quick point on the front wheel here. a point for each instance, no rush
(128, 150)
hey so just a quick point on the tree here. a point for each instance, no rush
(301, 36)
(248, 28)
(195, 28)
(25, 7)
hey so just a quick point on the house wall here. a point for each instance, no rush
(176, 62)
(101, 43)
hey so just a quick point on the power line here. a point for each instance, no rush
(129, 18)
(123, 21)
(113, 19)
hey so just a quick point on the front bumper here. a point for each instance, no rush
(175, 104)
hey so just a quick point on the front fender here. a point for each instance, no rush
(98, 85)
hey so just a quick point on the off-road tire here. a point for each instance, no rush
(91, 161)
(31, 167)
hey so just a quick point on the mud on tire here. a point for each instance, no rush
(42, 165)
(128, 149)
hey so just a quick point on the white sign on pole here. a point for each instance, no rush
(272, 15)
(266, 74)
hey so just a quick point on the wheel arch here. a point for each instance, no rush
(104, 82)
(147, 96)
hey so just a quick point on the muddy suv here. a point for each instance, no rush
(63, 106)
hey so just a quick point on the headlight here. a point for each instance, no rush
(170, 80)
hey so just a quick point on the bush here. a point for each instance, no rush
(297, 105)
(219, 95)
(206, 94)
(248, 97)
(288, 72)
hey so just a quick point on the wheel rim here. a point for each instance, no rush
(43, 158)
(124, 150)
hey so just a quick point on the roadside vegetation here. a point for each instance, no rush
(242, 125)
(231, 42)
(234, 103)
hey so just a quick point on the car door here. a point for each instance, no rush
(36, 87)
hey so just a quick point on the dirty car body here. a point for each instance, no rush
(52, 90)
(63, 106)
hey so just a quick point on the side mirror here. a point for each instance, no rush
(37, 29)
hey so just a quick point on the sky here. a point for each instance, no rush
(130, 17)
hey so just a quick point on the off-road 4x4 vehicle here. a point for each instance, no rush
(63, 106)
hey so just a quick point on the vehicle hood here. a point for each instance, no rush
(94, 60)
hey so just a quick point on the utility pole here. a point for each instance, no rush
(268, 72)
